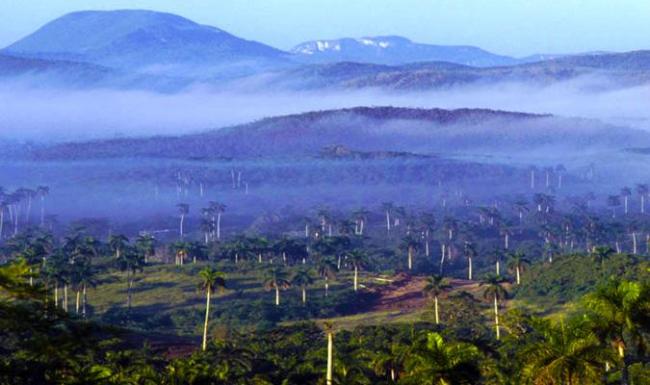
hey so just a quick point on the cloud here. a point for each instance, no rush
(59, 115)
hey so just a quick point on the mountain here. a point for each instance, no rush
(149, 42)
(606, 70)
(394, 50)
(369, 130)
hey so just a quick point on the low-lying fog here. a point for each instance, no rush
(49, 114)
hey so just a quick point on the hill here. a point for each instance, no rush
(365, 129)
(394, 50)
(146, 41)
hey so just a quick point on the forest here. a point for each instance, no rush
(528, 289)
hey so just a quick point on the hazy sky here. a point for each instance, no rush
(513, 27)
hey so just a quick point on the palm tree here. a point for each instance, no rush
(130, 262)
(211, 281)
(618, 310)
(183, 210)
(145, 243)
(470, 253)
(276, 279)
(117, 243)
(219, 209)
(643, 190)
(517, 264)
(410, 244)
(521, 206)
(42, 192)
(613, 201)
(387, 208)
(565, 354)
(433, 361)
(302, 279)
(180, 250)
(327, 270)
(601, 253)
(494, 291)
(435, 286)
(359, 260)
(626, 193)
(328, 328)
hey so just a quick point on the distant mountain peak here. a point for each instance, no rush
(394, 50)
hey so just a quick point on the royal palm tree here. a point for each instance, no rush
(601, 253)
(117, 243)
(145, 243)
(494, 291)
(183, 210)
(517, 263)
(302, 279)
(359, 260)
(387, 208)
(470, 253)
(130, 262)
(433, 361)
(328, 328)
(218, 208)
(568, 354)
(211, 281)
(435, 286)
(410, 244)
(42, 192)
(276, 279)
(620, 311)
(327, 269)
(643, 190)
(626, 193)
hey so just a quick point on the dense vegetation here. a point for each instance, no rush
(512, 293)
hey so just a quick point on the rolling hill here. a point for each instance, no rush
(364, 129)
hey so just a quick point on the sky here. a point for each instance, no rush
(509, 27)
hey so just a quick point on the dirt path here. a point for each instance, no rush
(405, 292)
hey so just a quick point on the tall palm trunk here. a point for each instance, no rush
(204, 345)
(65, 297)
(410, 257)
(304, 295)
(387, 221)
(78, 301)
(435, 307)
(2, 219)
(181, 227)
(219, 226)
(634, 244)
(496, 317)
(469, 271)
(56, 295)
(327, 286)
(330, 354)
(356, 278)
(498, 267)
(84, 300)
(518, 273)
(642, 204)
(277, 295)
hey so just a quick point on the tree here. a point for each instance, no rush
(613, 201)
(211, 281)
(517, 264)
(433, 361)
(601, 253)
(219, 209)
(130, 262)
(327, 269)
(470, 253)
(410, 244)
(620, 311)
(183, 210)
(436, 285)
(145, 243)
(328, 328)
(387, 208)
(276, 279)
(626, 193)
(42, 192)
(494, 291)
(565, 354)
(359, 260)
(642, 190)
(302, 279)
(117, 243)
